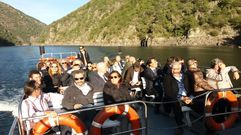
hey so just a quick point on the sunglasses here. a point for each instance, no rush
(113, 77)
(54, 67)
(64, 63)
(81, 78)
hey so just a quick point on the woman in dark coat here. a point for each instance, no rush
(115, 90)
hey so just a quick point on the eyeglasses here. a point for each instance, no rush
(113, 77)
(76, 65)
(81, 78)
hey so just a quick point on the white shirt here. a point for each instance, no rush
(135, 77)
(85, 88)
(33, 106)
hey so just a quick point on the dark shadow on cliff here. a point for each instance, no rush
(4, 42)
(236, 41)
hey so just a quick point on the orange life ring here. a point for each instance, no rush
(232, 99)
(71, 58)
(109, 111)
(66, 119)
(48, 59)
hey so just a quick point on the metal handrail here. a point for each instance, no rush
(58, 55)
(13, 126)
(90, 108)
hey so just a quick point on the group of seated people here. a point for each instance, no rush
(71, 85)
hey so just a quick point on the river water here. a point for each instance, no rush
(15, 62)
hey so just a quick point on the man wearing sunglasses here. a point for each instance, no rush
(80, 93)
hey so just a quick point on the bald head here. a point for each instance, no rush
(101, 68)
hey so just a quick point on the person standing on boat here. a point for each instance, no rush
(37, 103)
(84, 56)
(218, 74)
(176, 89)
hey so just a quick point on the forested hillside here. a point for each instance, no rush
(16, 28)
(160, 22)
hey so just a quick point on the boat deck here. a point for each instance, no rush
(159, 124)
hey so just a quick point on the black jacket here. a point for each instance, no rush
(171, 87)
(113, 95)
(73, 95)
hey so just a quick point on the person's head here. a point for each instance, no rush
(63, 62)
(79, 77)
(179, 59)
(32, 88)
(77, 64)
(152, 62)
(170, 60)
(115, 77)
(94, 67)
(176, 68)
(137, 66)
(192, 63)
(35, 75)
(215, 63)
(106, 59)
(127, 57)
(118, 58)
(55, 68)
(41, 66)
(132, 59)
(101, 67)
(82, 48)
(89, 66)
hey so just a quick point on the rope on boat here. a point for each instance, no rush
(205, 93)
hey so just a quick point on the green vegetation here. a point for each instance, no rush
(16, 27)
(113, 20)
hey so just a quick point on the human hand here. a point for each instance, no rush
(186, 100)
(51, 113)
(138, 83)
(236, 75)
(77, 106)
(132, 83)
(62, 89)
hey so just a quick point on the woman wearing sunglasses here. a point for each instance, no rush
(115, 90)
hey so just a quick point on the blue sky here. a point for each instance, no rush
(46, 11)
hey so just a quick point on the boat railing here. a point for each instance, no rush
(19, 120)
(60, 55)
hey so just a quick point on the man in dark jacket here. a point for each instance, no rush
(153, 85)
(79, 94)
(84, 56)
(176, 89)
